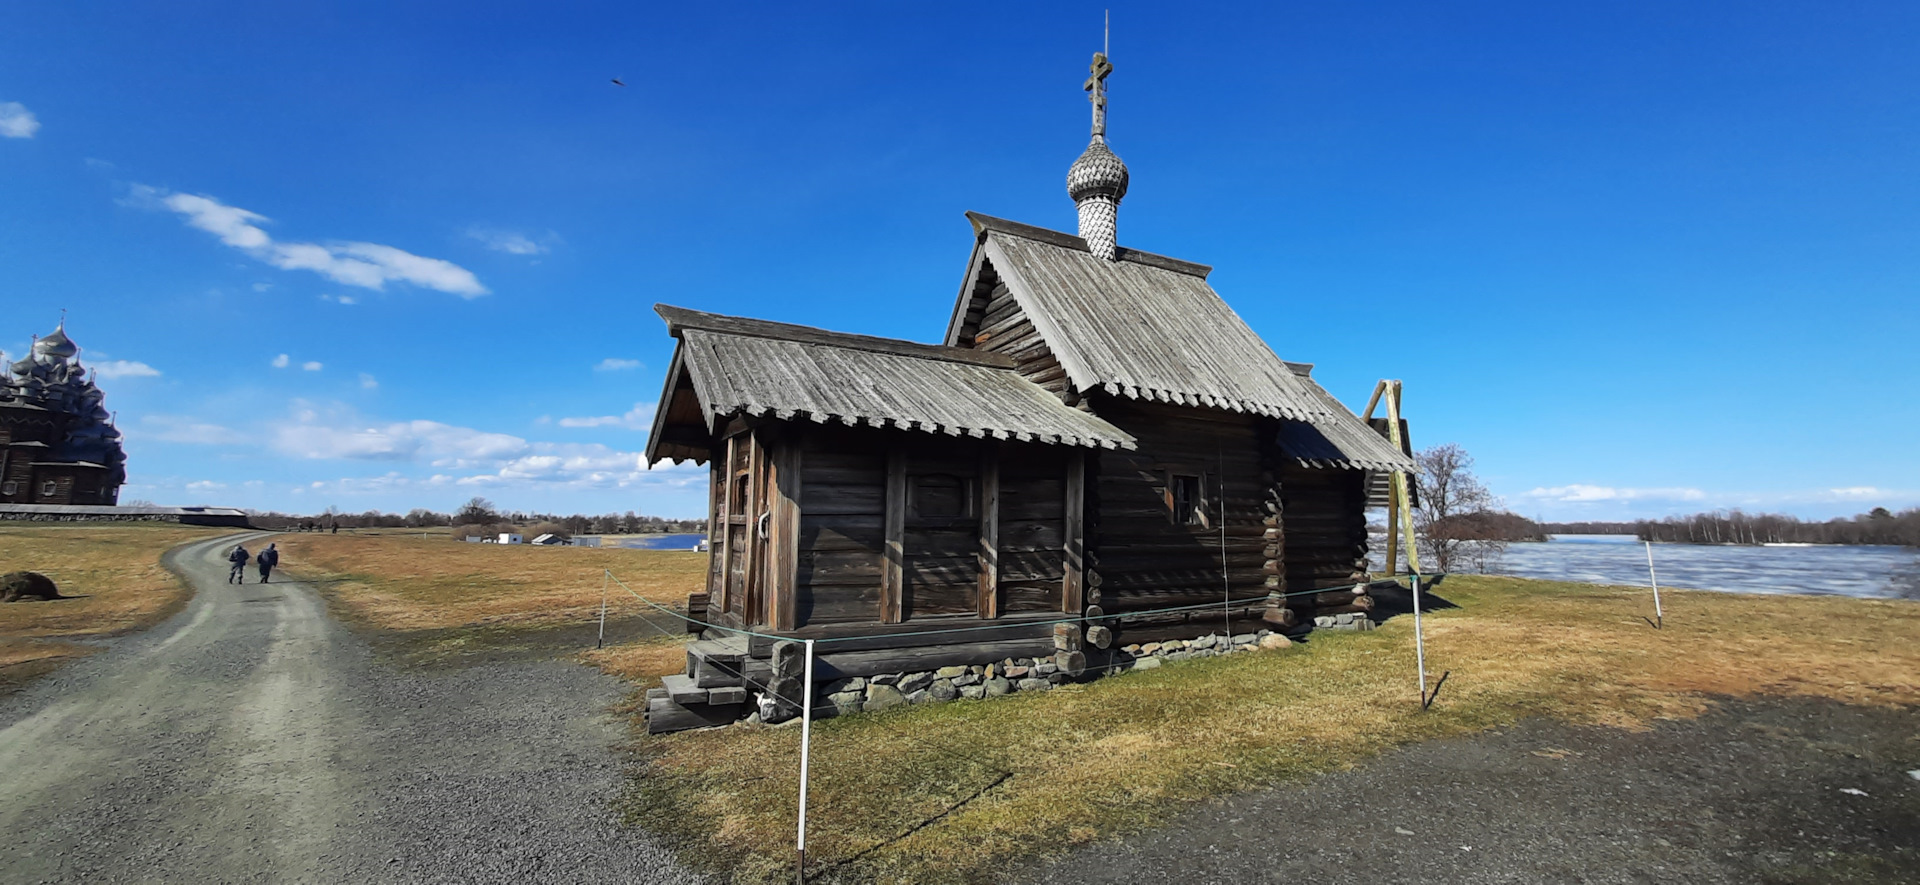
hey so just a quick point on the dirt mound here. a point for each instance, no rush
(16, 586)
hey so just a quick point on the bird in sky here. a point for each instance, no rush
(617, 82)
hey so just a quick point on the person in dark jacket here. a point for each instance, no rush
(267, 559)
(239, 557)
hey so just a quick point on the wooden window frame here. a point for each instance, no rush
(1199, 507)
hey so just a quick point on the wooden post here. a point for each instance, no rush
(893, 570)
(1400, 481)
(1073, 586)
(752, 589)
(783, 554)
(1659, 619)
(989, 592)
(726, 530)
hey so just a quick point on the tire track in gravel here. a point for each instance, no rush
(251, 738)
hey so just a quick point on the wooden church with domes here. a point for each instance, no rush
(1096, 450)
(58, 444)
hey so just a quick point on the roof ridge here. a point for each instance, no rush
(680, 319)
(983, 223)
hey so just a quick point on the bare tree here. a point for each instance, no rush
(1455, 517)
(477, 511)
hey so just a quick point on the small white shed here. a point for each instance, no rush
(508, 538)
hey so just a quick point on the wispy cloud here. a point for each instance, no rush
(367, 265)
(340, 299)
(615, 364)
(312, 366)
(16, 121)
(368, 382)
(281, 361)
(510, 242)
(111, 369)
(173, 428)
(205, 485)
(640, 417)
(1582, 493)
(461, 456)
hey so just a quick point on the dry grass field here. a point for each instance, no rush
(948, 793)
(456, 598)
(115, 572)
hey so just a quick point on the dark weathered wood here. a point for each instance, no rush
(728, 591)
(893, 580)
(835, 665)
(988, 594)
(784, 556)
(679, 319)
(1074, 528)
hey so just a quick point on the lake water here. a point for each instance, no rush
(655, 542)
(1827, 569)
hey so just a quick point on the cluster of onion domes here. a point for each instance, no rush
(51, 377)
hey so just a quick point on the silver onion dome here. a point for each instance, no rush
(57, 344)
(1098, 172)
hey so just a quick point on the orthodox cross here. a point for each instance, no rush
(1096, 87)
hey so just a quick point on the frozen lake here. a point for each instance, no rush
(1872, 572)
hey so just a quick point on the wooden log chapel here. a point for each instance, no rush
(1097, 436)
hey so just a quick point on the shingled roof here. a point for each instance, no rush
(1340, 441)
(737, 366)
(1144, 327)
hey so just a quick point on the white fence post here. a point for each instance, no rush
(806, 748)
(1659, 619)
(1419, 642)
(604, 577)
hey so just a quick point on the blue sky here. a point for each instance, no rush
(1638, 258)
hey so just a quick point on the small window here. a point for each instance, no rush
(48, 487)
(9, 487)
(1188, 499)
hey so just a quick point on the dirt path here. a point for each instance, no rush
(251, 739)
(1751, 793)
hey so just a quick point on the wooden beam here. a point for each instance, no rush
(893, 570)
(726, 595)
(1073, 590)
(751, 592)
(783, 585)
(989, 592)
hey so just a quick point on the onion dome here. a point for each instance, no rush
(1098, 172)
(57, 344)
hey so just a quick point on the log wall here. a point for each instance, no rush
(1324, 518)
(1140, 555)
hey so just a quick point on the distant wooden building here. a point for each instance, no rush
(58, 445)
(1097, 436)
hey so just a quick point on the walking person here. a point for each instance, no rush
(239, 557)
(267, 559)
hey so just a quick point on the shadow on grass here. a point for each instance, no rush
(1394, 598)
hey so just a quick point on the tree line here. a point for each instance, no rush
(479, 517)
(1877, 526)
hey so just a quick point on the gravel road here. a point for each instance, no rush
(253, 739)
(1751, 793)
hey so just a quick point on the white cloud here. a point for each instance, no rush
(281, 361)
(1581, 493)
(508, 241)
(112, 369)
(312, 365)
(615, 364)
(367, 265)
(262, 287)
(464, 456)
(16, 121)
(1860, 492)
(640, 417)
(340, 299)
(368, 382)
(205, 485)
(171, 428)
